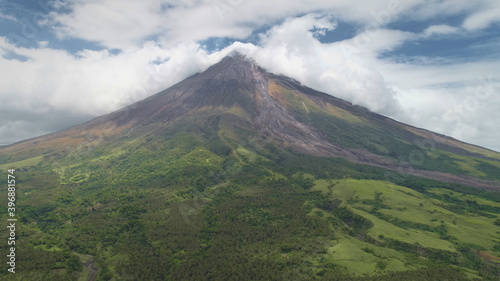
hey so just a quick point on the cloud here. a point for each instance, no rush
(8, 17)
(343, 69)
(478, 14)
(112, 23)
(482, 20)
(21, 123)
(95, 82)
(458, 99)
(121, 24)
(430, 9)
(441, 29)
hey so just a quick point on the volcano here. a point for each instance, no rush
(237, 173)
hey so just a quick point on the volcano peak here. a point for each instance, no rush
(237, 57)
(234, 66)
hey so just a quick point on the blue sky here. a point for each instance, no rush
(432, 64)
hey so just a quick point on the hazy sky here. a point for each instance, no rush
(433, 64)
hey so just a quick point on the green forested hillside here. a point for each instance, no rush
(180, 207)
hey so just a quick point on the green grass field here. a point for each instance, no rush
(402, 214)
(21, 164)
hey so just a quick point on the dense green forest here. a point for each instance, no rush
(185, 206)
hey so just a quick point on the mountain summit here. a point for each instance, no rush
(237, 173)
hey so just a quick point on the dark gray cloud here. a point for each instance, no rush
(19, 124)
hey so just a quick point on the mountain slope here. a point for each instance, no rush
(283, 111)
(238, 173)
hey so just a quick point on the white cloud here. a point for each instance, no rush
(487, 15)
(343, 69)
(423, 10)
(441, 29)
(125, 23)
(482, 19)
(78, 82)
(113, 23)
(8, 17)
(43, 44)
(95, 82)
(458, 99)
(128, 23)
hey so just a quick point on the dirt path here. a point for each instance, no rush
(90, 266)
(303, 103)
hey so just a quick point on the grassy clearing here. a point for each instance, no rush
(200, 156)
(461, 196)
(364, 258)
(473, 165)
(385, 229)
(413, 210)
(23, 163)
(247, 154)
